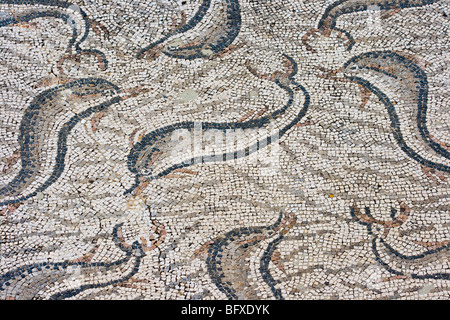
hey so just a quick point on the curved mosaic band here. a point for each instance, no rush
(342, 7)
(404, 72)
(214, 42)
(27, 17)
(35, 119)
(61, 272)
(142, 159)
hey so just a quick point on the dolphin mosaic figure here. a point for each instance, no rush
(163, 151)
(333, 12)
(227, 17)
(391, 76)
(32, 281)
(41, 165)
(228, 255)
(418, 266)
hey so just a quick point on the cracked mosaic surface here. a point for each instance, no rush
(224, 149)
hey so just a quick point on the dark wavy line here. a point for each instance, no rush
(191, 24)
(214, 260)
(51, 3)
(22, 272)
(342, 7)
(153, 137)
(264, 268)
(395, 125)
(444, 276)
(223, 40)
(27, 137)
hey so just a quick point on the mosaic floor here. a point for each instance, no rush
(224, 149)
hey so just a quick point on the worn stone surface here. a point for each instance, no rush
(224, 149)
